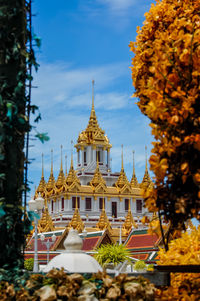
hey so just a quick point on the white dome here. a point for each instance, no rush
(74, 263)
(73, 260)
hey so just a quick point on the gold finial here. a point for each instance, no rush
(42, 165)
(92, 94)
(71, 153)
(61, 167)
(51, 161)
(66, 165)
(61, 177)
(122, 158)
(134, 181)
(133, 163)
(42, 184)
(146, 157)
(51, 181)
(146, 179)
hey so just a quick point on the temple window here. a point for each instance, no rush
(138, 206)
(52, 203)
(74, 202)
(62, 204)
(98, 155)
(126, 203)
(85, 156)
(100, 203)
(88, 204)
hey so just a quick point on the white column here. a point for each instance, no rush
(104, 157)
(82, 204)
(82, 157)
(94, 156)
(108, 156)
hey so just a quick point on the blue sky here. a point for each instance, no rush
(84, 40)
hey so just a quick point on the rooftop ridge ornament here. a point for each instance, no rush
(134, 181)
(51, 181)
(146, 179)
(66, 165)
(42, 165)
(61, 177)
(42, 184)
(122, 158)
(92, 94)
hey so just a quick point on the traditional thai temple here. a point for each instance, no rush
(92, 196)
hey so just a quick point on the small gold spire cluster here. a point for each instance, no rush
(103, 222)
(98, 179)
(129, 221)
(45, 224)
(76, 221)
(146, 182)
(122, 181)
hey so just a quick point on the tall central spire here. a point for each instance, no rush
(122, 159)
(93, 95)
(93, 134)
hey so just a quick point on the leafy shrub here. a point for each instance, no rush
(28, 264)
(112, 254)
(140, 265)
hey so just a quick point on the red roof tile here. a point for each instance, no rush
(90, 243)
(142, 241)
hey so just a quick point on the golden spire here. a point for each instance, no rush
(134, 181)
(92, 94)
(122, 159)
(61, 177)
(97, 178)
(103, 222)
(129, 221)
(66, 165)
(42, 184)
(72, 177)
(93, 134)
(76, 221)
(51, 181)
(146, 179)
(122, 179)
(45, 224)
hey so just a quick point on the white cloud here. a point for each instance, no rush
(118, 6)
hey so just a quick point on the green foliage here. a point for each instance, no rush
(110, 253)
(16, 60)
(28, 264)
(140, 265)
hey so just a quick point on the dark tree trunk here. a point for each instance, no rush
(13, 126)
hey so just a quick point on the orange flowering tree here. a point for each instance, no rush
(166, 76)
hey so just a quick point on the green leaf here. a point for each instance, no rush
(9, 110)
(37, 40)
(42, 137)
(2, 212)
